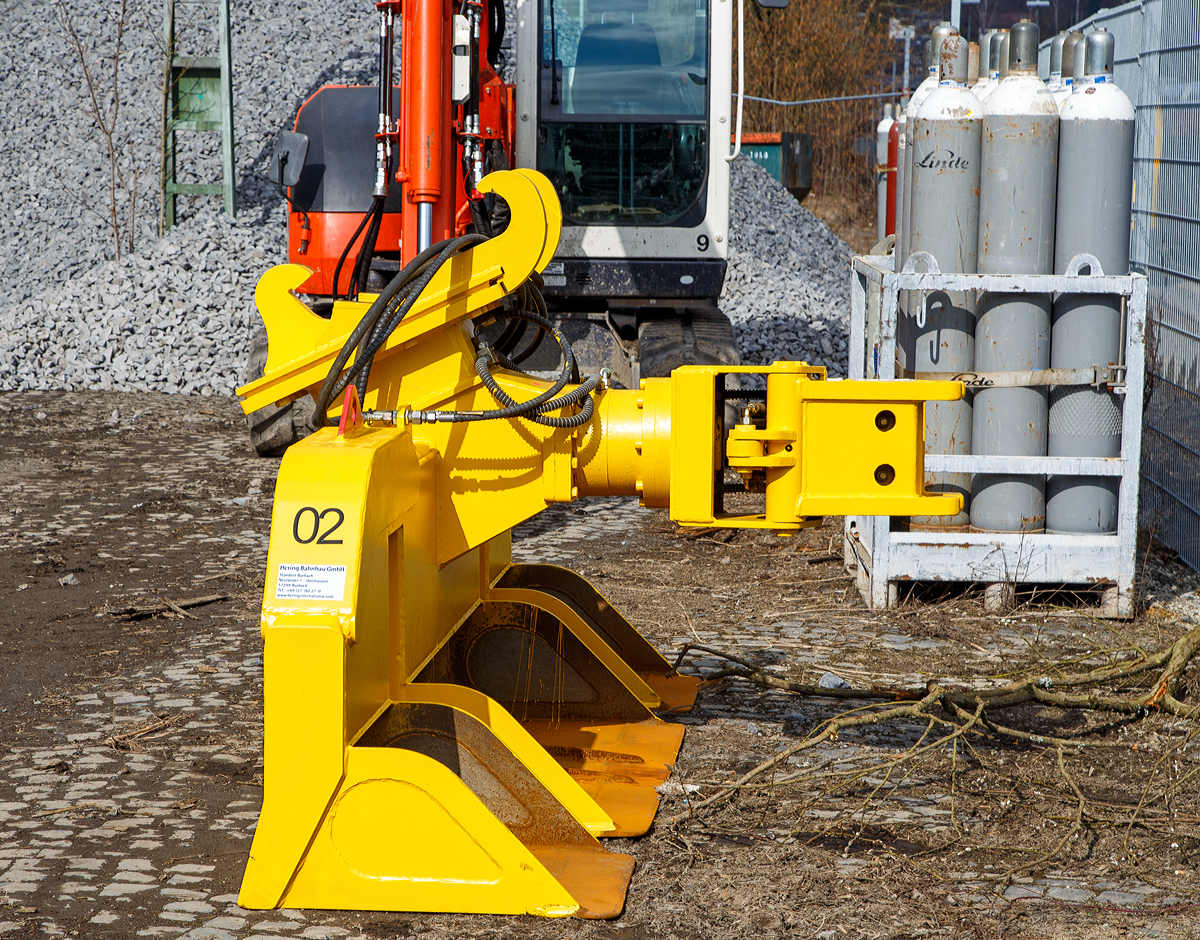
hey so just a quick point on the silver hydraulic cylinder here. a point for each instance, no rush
(1017, 193)
(945, 224)
(1095, 192)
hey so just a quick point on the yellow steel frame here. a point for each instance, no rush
(446, 730)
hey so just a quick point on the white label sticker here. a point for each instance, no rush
(310, 583)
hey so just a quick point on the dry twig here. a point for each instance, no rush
(122, 741)
(162, 605)
(1135, 687)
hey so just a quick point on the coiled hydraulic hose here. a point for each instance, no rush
(533, 409)
(382, 318)
(390, 308)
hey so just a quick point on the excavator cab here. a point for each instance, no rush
(627, 95)
(624, 105)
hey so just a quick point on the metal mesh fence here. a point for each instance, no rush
(1166, 246)
(1158, 67)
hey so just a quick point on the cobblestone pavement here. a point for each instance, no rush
(131, 760)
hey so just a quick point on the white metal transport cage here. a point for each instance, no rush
(884, 553)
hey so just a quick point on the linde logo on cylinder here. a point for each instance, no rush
(942, 160)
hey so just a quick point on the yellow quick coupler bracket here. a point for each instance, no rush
(447, 730)
(815, 446)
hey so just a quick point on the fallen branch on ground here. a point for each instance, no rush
(1044, 689)
(162, 605)
(1133, 688)
(122, 741)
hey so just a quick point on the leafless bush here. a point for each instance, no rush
(98, 55)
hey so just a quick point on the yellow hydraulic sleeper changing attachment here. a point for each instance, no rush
(447, 730)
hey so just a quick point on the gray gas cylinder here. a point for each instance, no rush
(993, 81)
(945, 220)
(1063, 91)
(904, 171)
(881, 160)
(1055, 80)
(901, 222)
(923, 91)
(1095, 191)
(985, 45)
(1016, 236)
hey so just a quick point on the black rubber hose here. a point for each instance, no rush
(362, 267)
(337, 272)
(560, 382)
(527, 301)
(531, 348)
(369, 328)
(572, 397)
(496, 28)
(365, 327)
(460, 417)
(479, 217)
(543, 402)
(573, 421)
(511, 336)
(419, 281)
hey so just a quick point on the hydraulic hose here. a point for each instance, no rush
(389, 309)
(530, 410)
(337, 272)
(362, 266)
(373, 330)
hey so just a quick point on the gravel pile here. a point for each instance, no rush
(54, 193)
(787, 290)
(176, 317)
(176, 314)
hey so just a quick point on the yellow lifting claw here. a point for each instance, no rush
(447, 730)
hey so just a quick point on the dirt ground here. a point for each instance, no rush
(131, 731)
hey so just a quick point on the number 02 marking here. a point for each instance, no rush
(317, 518)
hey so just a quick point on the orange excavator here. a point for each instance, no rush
(622, 104)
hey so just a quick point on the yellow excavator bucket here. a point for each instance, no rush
(447, 730)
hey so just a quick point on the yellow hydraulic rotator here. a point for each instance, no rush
(447, 730)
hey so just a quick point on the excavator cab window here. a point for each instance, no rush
(633, 58)
(623, 108)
